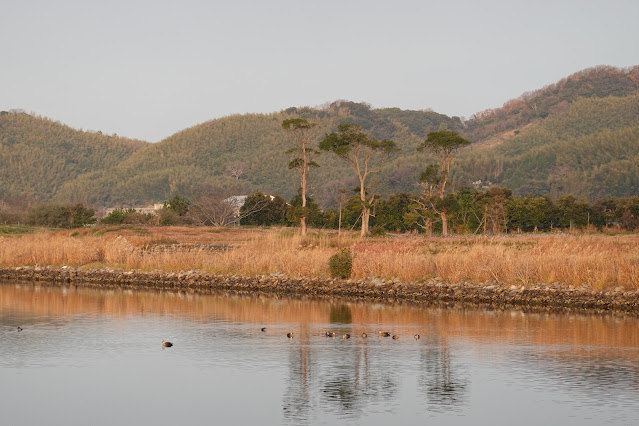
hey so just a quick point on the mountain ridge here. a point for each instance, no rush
(51, 161)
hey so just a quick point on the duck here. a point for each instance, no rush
(331, 334)
(383, 333)
(417, 336)
(263, 329)
(290, 335)
(364, 335)
(346, 336)
(395, 337)
(166, 344)
(19, 329)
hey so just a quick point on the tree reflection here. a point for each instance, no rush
(444, 388)
(349, 376)
(360, 378)
(341, 314)
(297, 398)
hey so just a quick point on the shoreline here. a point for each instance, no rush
(433, 291)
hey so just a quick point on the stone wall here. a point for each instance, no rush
(489, 294)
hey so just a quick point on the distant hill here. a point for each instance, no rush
(38, 155)
(600, 82)
(579, 136)
(590, 150)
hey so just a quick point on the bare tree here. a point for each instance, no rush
(214, 210)
(236, 169)
(215, 206)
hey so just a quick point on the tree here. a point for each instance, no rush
(302, 159)
(531, 213)
(60, 215)
(390, 213)
(573, 212)
(236, 169)
(178, 204)
(82, 215)
(444, 144)
(263, 210)
(490, 207)
(213, 209)
(362, 152)
(422, 211)
(314, 216)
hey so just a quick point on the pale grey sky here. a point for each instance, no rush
(147, 69)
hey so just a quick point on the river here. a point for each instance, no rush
(87, 356)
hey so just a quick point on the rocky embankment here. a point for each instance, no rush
(493, 294)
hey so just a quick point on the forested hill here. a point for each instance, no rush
(530, 107)
(590, 150)
(576, 136)
(236, 154)
(38, 155)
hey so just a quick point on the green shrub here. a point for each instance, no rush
(378, 231)
(82, 216)
(60, 215)
(15, 229)
(168, 217)
(178, 205)
(341, 264)
(117, 216)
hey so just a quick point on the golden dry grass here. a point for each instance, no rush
(594, 261)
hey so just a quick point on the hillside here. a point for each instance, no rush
(531, 107)
(38, 155)
(589, 150)
(204, 155)
(579, 136)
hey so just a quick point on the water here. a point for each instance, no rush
(95, 357)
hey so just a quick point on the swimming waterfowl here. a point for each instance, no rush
(263, 329)
(346, 336)
(166, 344)
(364, 335)
(331, 334)
(19, 329)
(383, 333)
(395, 337)
(290, 335)
(417, 336)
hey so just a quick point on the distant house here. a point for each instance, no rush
(144, 210)
(479, 184)
(236, 202)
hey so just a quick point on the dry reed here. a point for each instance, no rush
(592, 261)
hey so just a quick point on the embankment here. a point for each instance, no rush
(488, 294)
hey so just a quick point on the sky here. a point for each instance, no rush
(148, 69)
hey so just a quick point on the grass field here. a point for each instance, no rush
(595, 261)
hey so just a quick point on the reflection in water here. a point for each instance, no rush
(498, 366)
(443, 385)
(297, 399)
(341, 314)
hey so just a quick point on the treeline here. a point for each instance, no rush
(470, 211)
(49, 215)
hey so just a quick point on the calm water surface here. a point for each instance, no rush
(95, 357)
